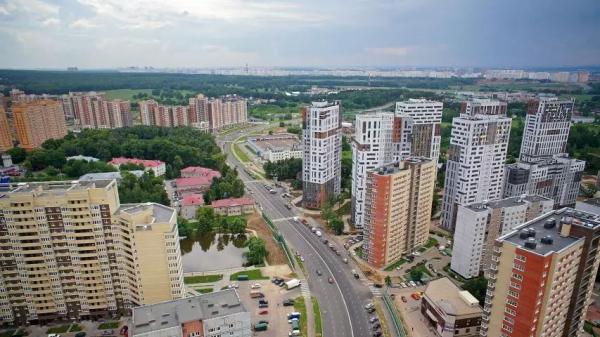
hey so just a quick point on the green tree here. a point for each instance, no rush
(477, 287)
(416, 274)
(257, 251)
(337, 225)
(588, 190)
(388, 280)
(184, 227)
(18, 154)
(205, 218)
(237, 225)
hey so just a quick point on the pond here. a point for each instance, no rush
(212, 251)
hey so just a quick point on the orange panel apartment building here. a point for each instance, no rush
(542, 276)
(398, 209)
(38, 121)
(5, 137)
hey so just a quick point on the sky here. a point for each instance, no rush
(323, 33)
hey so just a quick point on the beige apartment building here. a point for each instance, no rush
(6, 142)
(37, 121)
(70, 251)
(398, 209)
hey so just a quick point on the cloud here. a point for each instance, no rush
(390, 51)
(83, 23)
(50, 22)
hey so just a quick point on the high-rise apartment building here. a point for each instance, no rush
(397, 209)
(71, 251)
(37, 121)
(426, 118)
(6, 142)
(557, 178)
(546, 129)
(92, 110)
(542, 276)
(147, 111)
(379, 139)
(198, 109)
(321, 165)
(476, 157)
(479, 225)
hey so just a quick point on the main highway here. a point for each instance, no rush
(342, 302)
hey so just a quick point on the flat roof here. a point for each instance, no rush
(55, 187)
(558, 242)
(398, 166)
(506, 202)
(173, 313)
(161, 213)
(447, 296)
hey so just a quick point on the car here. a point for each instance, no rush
(319, 272)
(403, 285)
(288, 206)
(331, 245)
(403, 299)
(419, 283)
(376, 326)
(413, 284)
(330, 280)
(371, 310)
(378, 285)
(369, 305)
(104, 333)
(288, 303)
(263, 301)
(281, 284)
(345, 260)
(53, 335)
(263, 312)
(415, 296)
(373, 319)
(255, 286)
(314, 229)
(302, 258)
(263, 322)
(318, 233)
(80, 334)
(263, 305)
(337, 252)
(377, 334)
(234, 285)
(416, 254)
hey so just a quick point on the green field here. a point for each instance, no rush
(240, 154)
(317, 314)
(126, 94)
(203, 279)
(253, 274)
(108, 325)
(204, 290)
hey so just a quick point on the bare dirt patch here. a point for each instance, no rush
(276, 254)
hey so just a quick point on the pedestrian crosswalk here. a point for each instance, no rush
(304, 289)
(374, 290)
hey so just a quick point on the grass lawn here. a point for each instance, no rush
(300, 307)
(253, 274)
(359, 252)
(317, 314)
(125, 94)
(204, 290)
(430, 243)
(393, 266)
(384, 324)
(58, 329)
(108, 325)
(75, 328)
(420, 268)
(241, 155)
(345, 209)
(202, 279)
(7, 333)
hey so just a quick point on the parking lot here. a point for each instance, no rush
(411, 311)
(276, 312)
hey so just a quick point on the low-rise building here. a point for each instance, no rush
(192, 185)
(216, 314)
(234, 206)
(276, 147)
(479, 225)
(199, 171)
(157, 166)
(80, 157)
(451, 311)
(190, 204)
(108, 175)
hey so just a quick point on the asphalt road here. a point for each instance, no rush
(342, 302)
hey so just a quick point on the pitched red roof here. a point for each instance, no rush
(232, 202)
(193, 181)
(143, 162)
(201, 171)
(192, 199)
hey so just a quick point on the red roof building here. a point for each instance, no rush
(157, 166)
(192, 185)
(189, 204)
(198, 171)
(234, 206)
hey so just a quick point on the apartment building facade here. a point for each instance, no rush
(91, 110)
(220, 313)
(321, 164)
(476, 157)
(6, 141)
(557, 178)
(479, 225)
(546, 128)
(72, 252)
(397, 209)
(37, 121)
(542, 277)
(426, 131)
(379, 139)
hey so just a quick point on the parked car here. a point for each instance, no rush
(263, 305)
(263, 312)
(403, 299)
(325, 241)
(377, 334)
(263, 322)
(373, 319)
(255, 286)
(412, 284)
(263, 301)
(403, 285)
(376, 326)
(369, 305)
(345, 260)
(288, 303)
(415, 296)
(319, 272)
(330, 280)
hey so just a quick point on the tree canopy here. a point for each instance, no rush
(283, 169)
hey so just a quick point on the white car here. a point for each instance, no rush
(403, 285)
(234, 285)
(318, 233)
(413, 284)
(302, 258)
(255, 286)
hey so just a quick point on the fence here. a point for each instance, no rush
(392, 310)
(279, 238)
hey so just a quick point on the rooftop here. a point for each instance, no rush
(200, 171)
(452, 300)
(160, 213)
(193, 181)
(542, 235)
(174, 313)
(108, 175)
(55, 187)
(143, 162)
(232, 202)
(192, 199)
(506, 202)
(80, 157)
(399, 166)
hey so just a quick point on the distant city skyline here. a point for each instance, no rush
(93, 34)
